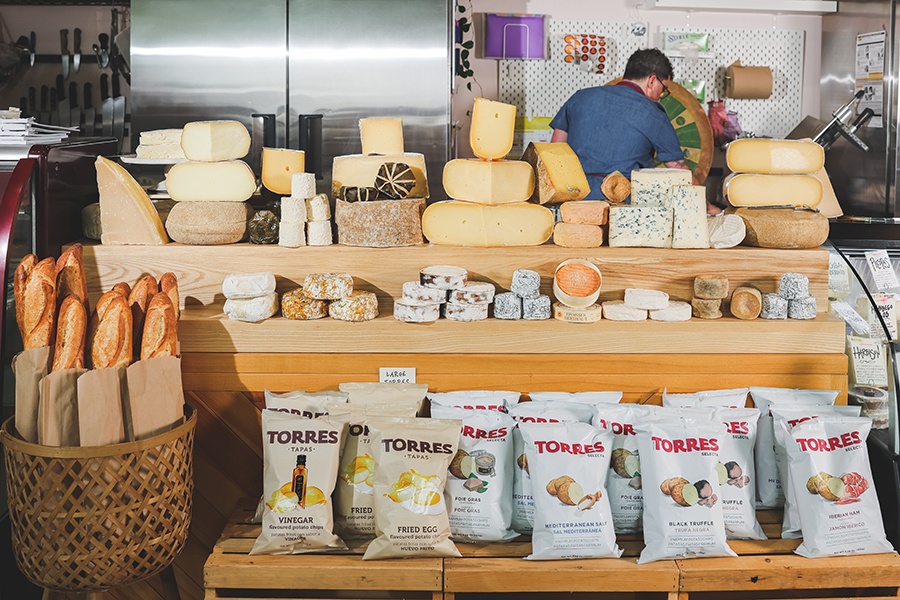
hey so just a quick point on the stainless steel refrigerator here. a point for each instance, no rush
(343, 59)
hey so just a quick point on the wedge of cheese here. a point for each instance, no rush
(488, 182)
(776, 157)
(455, 223)
(557, 172)
(358, 170)
(753, 189)
(126, 214)
(640, 226)
(651, 187)
(215, 140)
(689, 228)
(226, 181)
(279, 165)
(381, 135)
(493, 124)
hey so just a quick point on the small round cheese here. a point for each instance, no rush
(577, 282)
(443, 277)
(416, 311)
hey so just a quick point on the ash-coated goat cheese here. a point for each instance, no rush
(413, 290)
(297, 305)
(570, 314)
(675, 311)
(328, 286)
(356, 306)
(536, 309)
(793, 286)
(318, 233)
(640, 226)
(802, 308)
(617, 310)
(707, 308)
(473, 292)
(526, 283)
(711, 287)
(508, 306)
(774, 307)
(248, 285)
(465, 312)
(252, 309)
(416, 311)
(443, 277)
(646, 299)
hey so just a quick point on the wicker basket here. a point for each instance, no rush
(87, 519)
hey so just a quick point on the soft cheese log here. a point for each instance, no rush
(358, 170)
(227, 181)
(558, 174)
(126, 214)
(379, 223)
(381, 135)
(753, 189)
(650, 187)
(493, 124)
(488, 182)
(783, 227)
(215, 140)
(279, 166)
(689, 229)
(454, 223)
(777, 157)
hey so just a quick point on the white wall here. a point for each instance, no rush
(625, 10)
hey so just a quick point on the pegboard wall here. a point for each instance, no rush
(540, 87)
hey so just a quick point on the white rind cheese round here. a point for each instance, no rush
(465, 312)
(252, 310)
(646, 299)
(415, 291)
(328, 286)
(248, 285)
(675, 311)
(357, 306)
(415, 311)
(571, 314)
(617, 310)
(726, 231)
(474, 292)
(444, 277)
(303, 185)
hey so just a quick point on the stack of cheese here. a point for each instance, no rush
(794, 288)
(576, 285)
(250, 296)
(329, 294)
(709, 291)
(160, 144)
(443, 286)
(581, 225)
(212, 187)
(524, 299)
(305, 215)
(641, 303)
(490, 195)
(379, 194)
(666, 211)
(778, 173)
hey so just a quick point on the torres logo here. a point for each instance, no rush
(357, 430)
(686, 445)
(401, 445)
(738, 427)
(847, 440)
(301, 413)
(480, 434)
(617, 428)
(309, 436)
(497, 407)
(535, 420)
(552, 447)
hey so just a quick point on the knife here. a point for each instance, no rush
(118, 120)
(74, 111)
(106, 107)
(76, 50)
(102, 51)
(64, 45)
(63, 106)
(32, 42)
(45, 114)
(54, 108)
(89, 113)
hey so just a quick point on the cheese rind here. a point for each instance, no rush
(536, 309)
(160, 151)
(574, 235)
(590, 212)
(156, 137)
(711, 287)
(359, 170)
(318, 208)
(291, 234)
(526, 283)
(752, 189)
(705, 308)
(455, 223)
(577, 282)
(617, 310)
(126, 214)
(640, 226)
(328, 286)
(493, 125)
(248, 285)
(650, 187)
(381, 135)
(295, 304)
(675, 311)
(774, 307)
(783, 227)
(90, 221)
(558, 174)
(303, 185)
(646, 299)
(759, 155)
(357, 306)
(746, 302)
(488, 182)
(508, 306)
(473, 292)
(380, 223)
(466, 312)
(279, 165)
(443, 277)
(414, 311)
(689, 228)
(293, 208)
(215, 141)
(415, 291)
(226, 181)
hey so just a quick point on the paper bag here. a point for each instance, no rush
(58, 408)
(29, 367)
(100, 397)
(155, 399)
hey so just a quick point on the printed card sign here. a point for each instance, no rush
(882, 270)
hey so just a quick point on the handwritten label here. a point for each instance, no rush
(882, 270)
(851, 317)
(885, 305)
(867, 361)
(838, 275)
(397, 375)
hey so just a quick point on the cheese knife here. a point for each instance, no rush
(45, 112)
(64, 51)
(106, 107)
(90, 116)
(74, 110)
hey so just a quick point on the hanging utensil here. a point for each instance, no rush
(102, 51)
(74, 110)
(90, 115)
(63, 107)
(76, 50)
(64, 51)
(32, 42)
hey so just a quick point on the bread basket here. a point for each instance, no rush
(86, 519)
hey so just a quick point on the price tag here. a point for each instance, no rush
(397, 375)
(867, 361)
(882, 270)
(851, 317)
(838, 275)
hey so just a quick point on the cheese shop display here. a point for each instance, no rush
(558, 174)
(209, 223)
(381, 135)
(491, 133)
(755, 189)
(263, 227)
(279, 166)
(159, 144)
(224, 181)
(213, 141)
(776, 157)
(576, 282)
(457, 223)
(126, 214)
(488, 182)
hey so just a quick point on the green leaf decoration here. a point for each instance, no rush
(468, 44)
(461, 8)
(464, 54)
(466, 27)
(481, 490)
(463, 21)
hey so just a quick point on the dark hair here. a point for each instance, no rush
(647, 62)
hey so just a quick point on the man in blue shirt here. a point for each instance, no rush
(622, 127)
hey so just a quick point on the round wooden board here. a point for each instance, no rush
(692, 127)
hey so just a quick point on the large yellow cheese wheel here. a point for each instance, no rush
(454, 223)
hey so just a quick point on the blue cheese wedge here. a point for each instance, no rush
(640, 226)
(689, 229)
(650, 187)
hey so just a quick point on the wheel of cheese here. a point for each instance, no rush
(783, 227)
(691, 126)
(576, 282)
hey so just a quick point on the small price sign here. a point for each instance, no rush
(397, 375)
(882, 270)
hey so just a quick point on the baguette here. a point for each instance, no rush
(111, 332)
(168, 283)
(20, 277)
(70, 278)
(160, 328)
(123, 288)
(139, 298)
(71, 332)
(39, 301)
